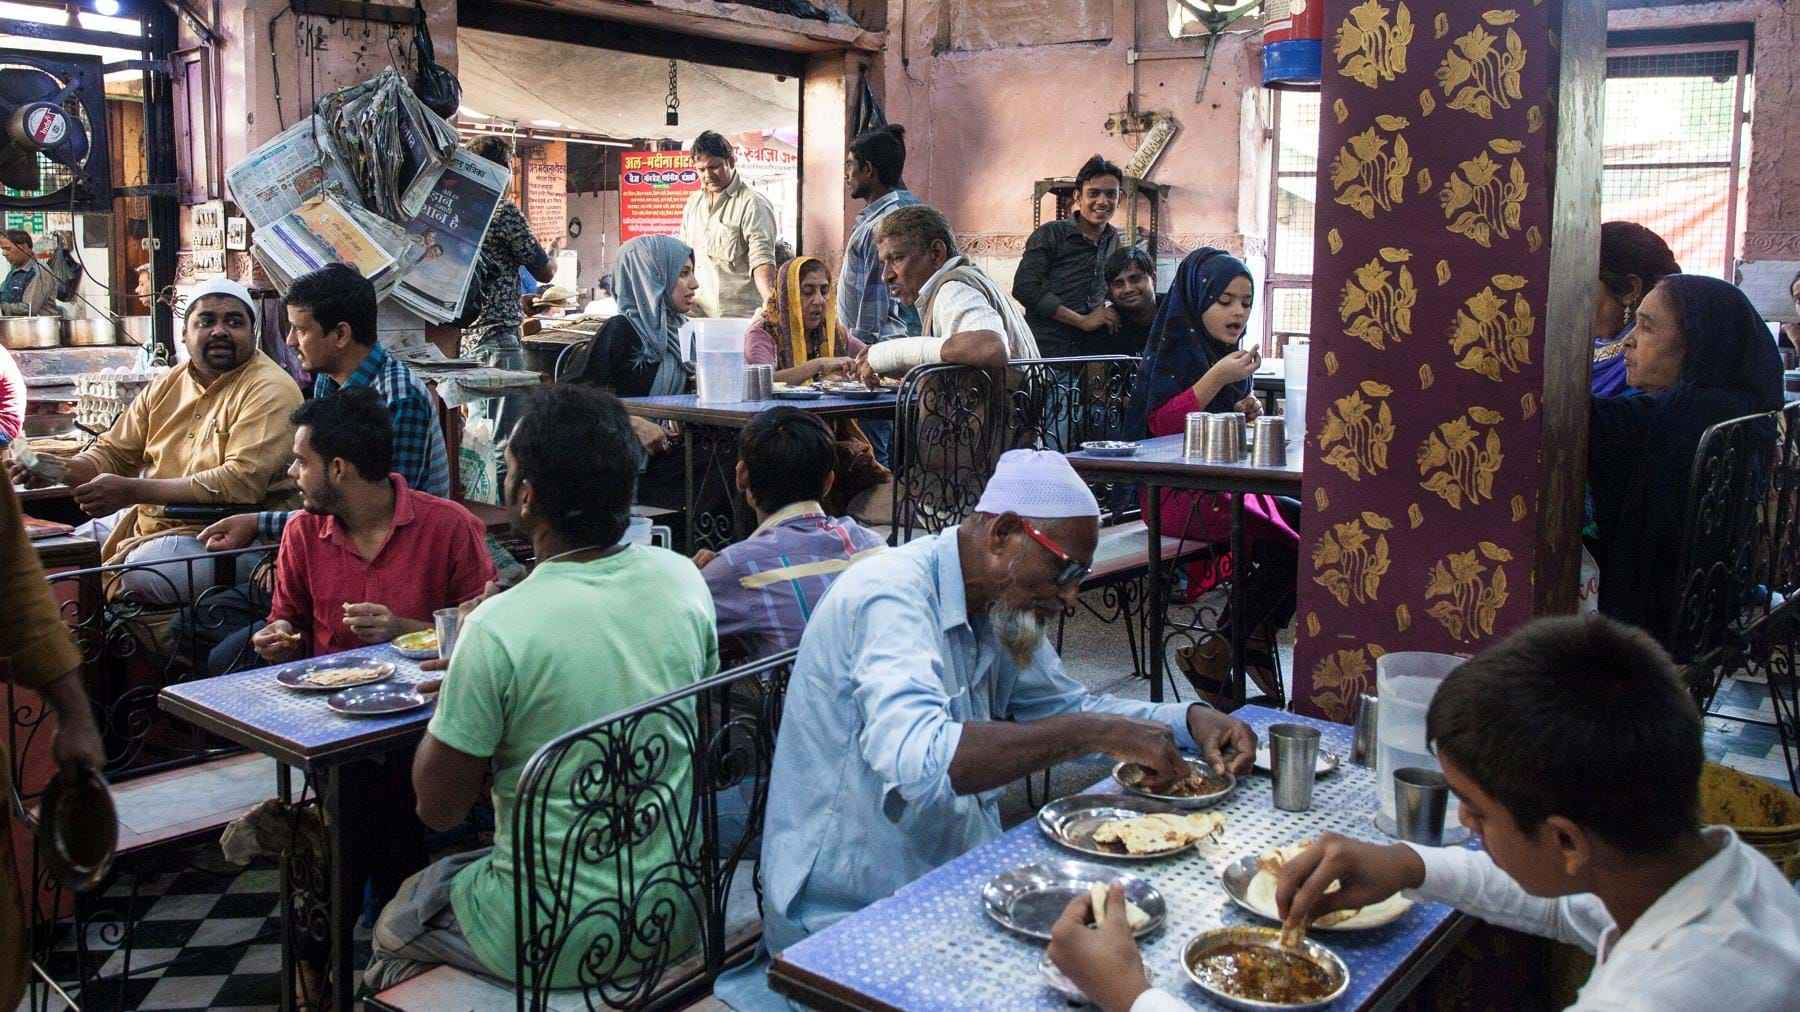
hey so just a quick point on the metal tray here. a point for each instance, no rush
(796, 394)
(1327, 762)
(1237, 876)
(1200, 801)
(852, 391)
(294, 676)
(1030, 898)
(1245, 934)
(377, 701)
(1109, 448)
(1071, 822)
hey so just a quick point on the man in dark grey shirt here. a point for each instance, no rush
(1059, 281)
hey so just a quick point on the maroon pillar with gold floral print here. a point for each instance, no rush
(1458, 245)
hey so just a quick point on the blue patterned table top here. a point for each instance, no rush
(255, 711)
(932, 946)
(687, 407)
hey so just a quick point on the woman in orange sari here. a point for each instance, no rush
(797, 332)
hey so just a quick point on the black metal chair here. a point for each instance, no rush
(128, 655)
(1739, 566)
(667, 798)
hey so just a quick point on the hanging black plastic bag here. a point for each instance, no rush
(435, 86)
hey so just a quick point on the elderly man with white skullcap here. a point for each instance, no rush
(214, 430)
(924, 685)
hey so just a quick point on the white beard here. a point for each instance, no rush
(1019, 633)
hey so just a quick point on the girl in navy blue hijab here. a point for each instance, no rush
(1700, 354)
(1192, 363)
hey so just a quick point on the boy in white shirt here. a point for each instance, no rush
(1575, 753)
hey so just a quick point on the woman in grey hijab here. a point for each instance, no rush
(638, 352)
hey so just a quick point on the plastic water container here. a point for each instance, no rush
(1293, 361)
(718, 357)
(1405, 683)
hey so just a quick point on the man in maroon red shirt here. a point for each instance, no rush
(370, 559)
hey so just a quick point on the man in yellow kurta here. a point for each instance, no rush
(35, 653)
(214, 430)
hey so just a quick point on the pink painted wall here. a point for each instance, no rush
(984, 125)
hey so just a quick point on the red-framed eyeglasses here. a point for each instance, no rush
(1073, 571)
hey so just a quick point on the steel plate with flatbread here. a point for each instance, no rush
(796, 394)
(1071, 822)
(1109, 448)
(1254, 890)
(306, 677)
(1030, 898)
(377, 700)
(851, 391)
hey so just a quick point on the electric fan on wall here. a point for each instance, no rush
(53, 143)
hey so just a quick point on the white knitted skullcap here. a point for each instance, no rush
(225, 286)
(1037, 483)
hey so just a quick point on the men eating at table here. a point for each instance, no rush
(1575, 752)
(765, 586)
(923, 686)
(600, 625)
(212, 431)
(964, 316)
(369, 559)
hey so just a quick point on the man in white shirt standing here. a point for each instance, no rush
(964, 316)
(1575, 753)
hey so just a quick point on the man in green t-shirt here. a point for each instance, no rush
(598, 627)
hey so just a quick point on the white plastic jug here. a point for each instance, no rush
(1293, 363)
(1405, 682)
(716, 347)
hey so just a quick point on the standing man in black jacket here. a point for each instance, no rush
(1060, 282)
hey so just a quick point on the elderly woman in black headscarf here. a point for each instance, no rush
(1700, 354)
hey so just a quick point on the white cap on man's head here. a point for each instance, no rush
(1038, 484)
(224, 286)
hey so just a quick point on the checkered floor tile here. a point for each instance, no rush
(206, 936)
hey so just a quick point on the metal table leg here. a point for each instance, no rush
(343, 903)
(1156, 616)
(284, 791)
(1238, 619)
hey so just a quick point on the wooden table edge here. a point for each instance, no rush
(818, 992)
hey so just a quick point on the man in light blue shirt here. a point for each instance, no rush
(895, 739)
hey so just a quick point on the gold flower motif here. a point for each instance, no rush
(1366, 176)
(1459, 464)
(1478, 75)
(1472, 598)
(1338, 679)
(1357, 431)
(1349, 563)
(1369, 49)
(1376, 310)
(1483, 206)
(1489, 338)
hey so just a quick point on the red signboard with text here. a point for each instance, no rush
(653, 188)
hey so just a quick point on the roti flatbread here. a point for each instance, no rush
(1160, 832)
(1135, 918)
(1260, 894)
(334, 677)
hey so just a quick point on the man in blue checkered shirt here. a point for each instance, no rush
(331, 317)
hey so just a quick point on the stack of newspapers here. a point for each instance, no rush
(412, 223)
